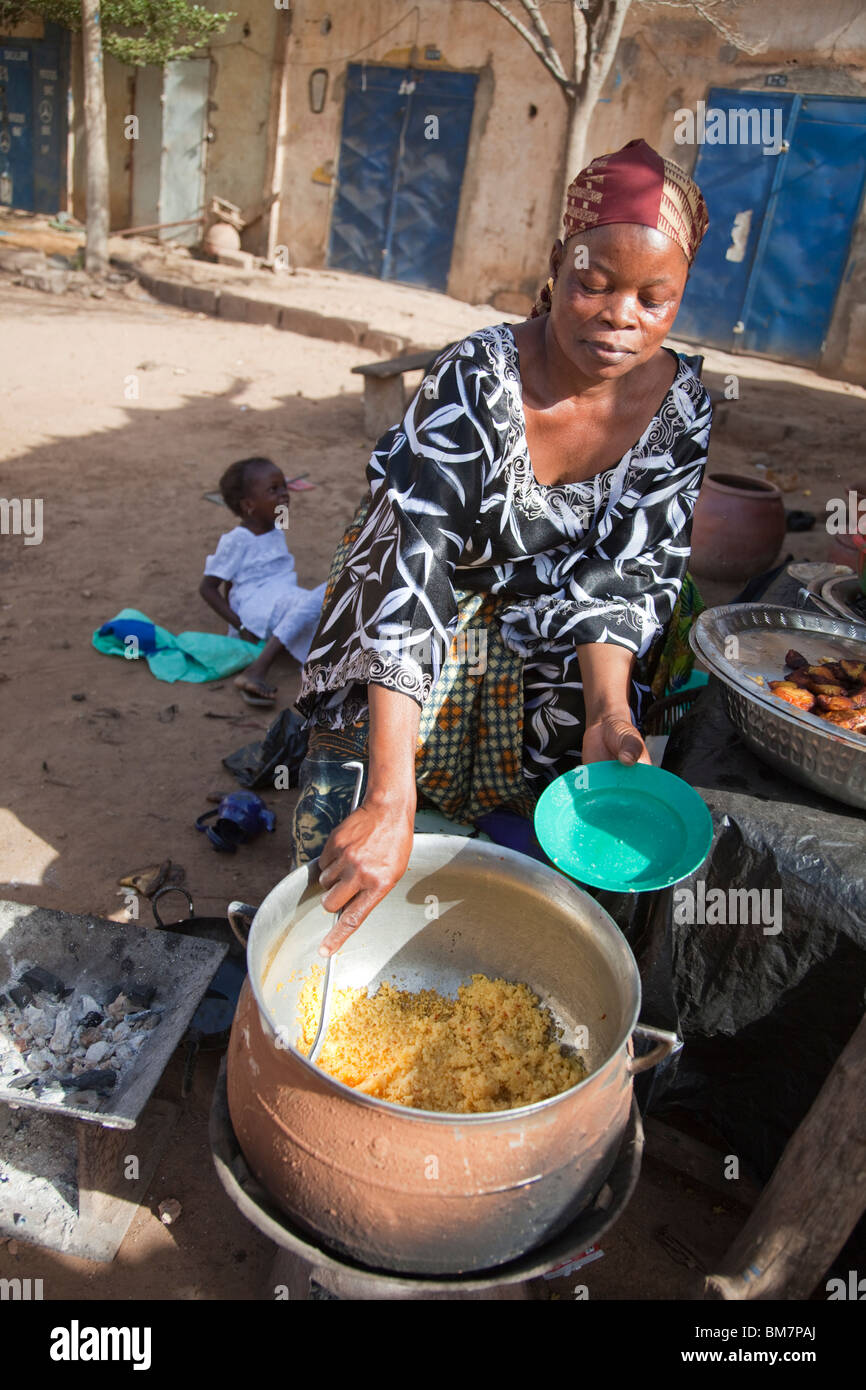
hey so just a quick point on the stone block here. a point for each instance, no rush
(18, 258)
(241, 260)
(263, 311)
(233, 306)
(169, 291)
(201, 299)
(386, 344)
(51, 280)
(294, 319)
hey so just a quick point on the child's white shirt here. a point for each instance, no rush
(265, 592)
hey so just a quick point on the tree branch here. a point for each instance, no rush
(579, 25)
(708, 11)
(602, 55)
(531, 8)
(534, 44)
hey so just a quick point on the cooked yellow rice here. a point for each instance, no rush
(494, 1047)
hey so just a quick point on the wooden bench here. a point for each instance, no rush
(384, 394)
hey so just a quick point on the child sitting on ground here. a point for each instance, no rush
(262, 599)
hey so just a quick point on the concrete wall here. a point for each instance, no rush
(243, 92)
(244, 95)
(507, 213)
(667, 59)
(33, 28)
(668, 62)
(119, 103)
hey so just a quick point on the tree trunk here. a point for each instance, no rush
(597, 62)
(579, 118)
(96, 253)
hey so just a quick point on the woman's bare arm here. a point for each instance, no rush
(368, 853)
(605, 669)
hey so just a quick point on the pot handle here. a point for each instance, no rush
(666, 1044)
(240, 917)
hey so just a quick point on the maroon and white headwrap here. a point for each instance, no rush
(635, 184)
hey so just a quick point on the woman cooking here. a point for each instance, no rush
(522, 546)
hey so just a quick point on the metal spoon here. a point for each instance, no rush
(325, 1015)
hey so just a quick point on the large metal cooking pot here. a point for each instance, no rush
(414, 1190)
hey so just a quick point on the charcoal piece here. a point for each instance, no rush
(140, 994)
(42, 981)
(92, 1020)
(22, 1083)
(147, 1018)
(21, 995)
(101, 1079)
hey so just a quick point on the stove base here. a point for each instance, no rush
(301, 1258)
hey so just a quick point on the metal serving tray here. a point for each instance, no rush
(798, 744)
(838, 597)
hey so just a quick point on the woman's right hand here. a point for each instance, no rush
(362, 860)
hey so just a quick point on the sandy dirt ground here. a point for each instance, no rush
(105, 769)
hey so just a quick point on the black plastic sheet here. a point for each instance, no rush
(763, 1013)
(284, 745)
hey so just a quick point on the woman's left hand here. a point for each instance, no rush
(614, 737)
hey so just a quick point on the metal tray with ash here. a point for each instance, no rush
(90, 1013)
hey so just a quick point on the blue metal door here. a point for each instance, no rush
(373, 116)
(402, 155)
(766, 278)
(809, 232)
(735, 180)
(16, 125)
(33, 94)
(429, 179)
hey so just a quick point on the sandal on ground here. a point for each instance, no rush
(255, 692)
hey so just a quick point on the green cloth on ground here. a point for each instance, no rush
(190, 656)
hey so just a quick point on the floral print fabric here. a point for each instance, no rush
(455, 512)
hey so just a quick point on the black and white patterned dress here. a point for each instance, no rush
(456, 507)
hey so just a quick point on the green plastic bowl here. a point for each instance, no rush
(629, 829)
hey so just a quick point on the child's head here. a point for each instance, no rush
(253, 489)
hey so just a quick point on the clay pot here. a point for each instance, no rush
(739, 527)
(220, 236)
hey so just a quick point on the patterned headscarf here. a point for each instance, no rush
(635, 184)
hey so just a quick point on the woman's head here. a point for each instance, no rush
(253, 488)
(616, 293)
(632, 226)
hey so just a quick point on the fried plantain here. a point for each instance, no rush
(792, 694)
(820, 673)
(820, 688)
(854, 720)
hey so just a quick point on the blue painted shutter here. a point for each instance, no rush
(373, 116)
(429, 179)
(810, 234)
